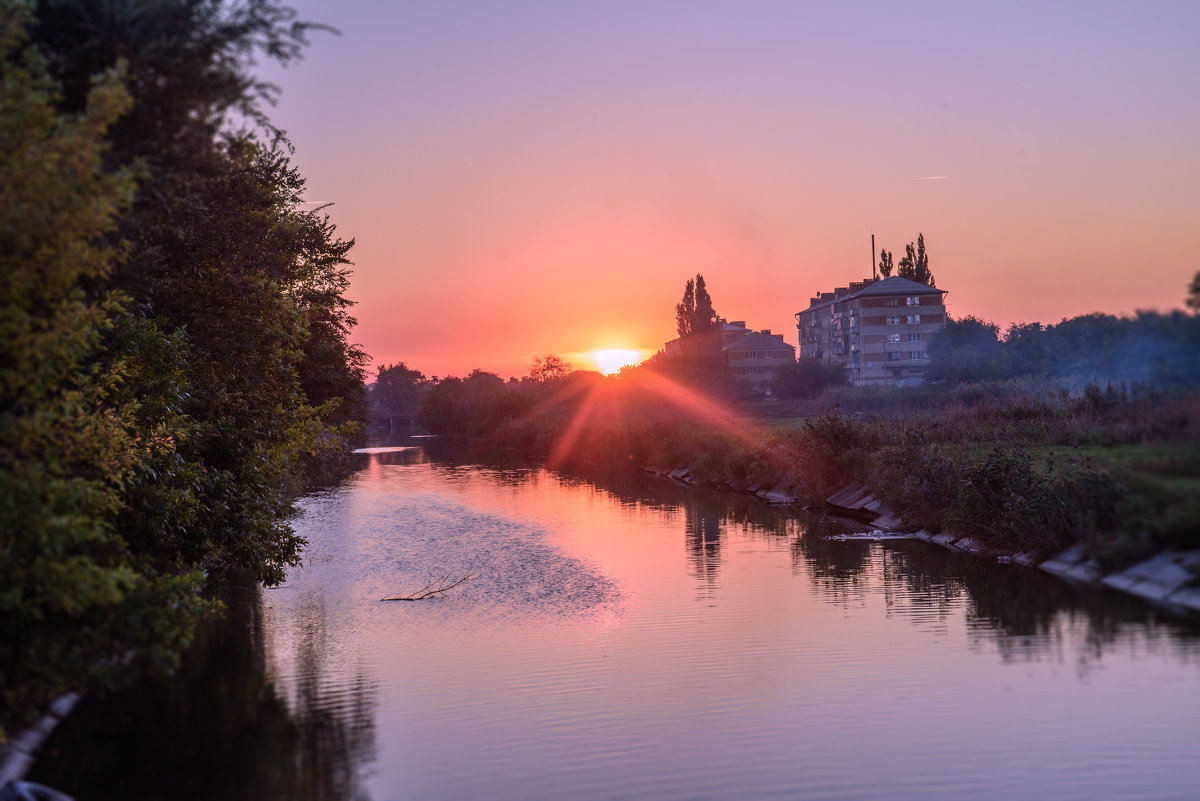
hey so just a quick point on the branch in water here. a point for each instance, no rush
(433, 589)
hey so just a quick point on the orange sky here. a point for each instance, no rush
(527, 178)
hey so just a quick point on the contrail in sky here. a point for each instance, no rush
(933, 178)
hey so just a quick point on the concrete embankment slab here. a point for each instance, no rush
(1073, 564)
(1166, 577)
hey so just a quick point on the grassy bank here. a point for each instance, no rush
(1020, 465)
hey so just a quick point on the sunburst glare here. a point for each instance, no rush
(610, 360)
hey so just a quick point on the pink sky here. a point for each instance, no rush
(527, 178)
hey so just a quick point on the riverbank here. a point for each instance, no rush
(1023, 467)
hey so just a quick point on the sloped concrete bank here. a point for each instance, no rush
(18, 754)
(1168, 578)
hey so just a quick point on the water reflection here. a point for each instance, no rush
(218, 729)
(702, 536)
(593, 657)
(1021, 613)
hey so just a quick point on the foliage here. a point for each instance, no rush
(1193, 296)
(807, 378)
(548, 368)
(695, 315)
(967, 349)
(475, 406)
(886, 264)
(76, 440)
(167, 390)
(397, 391)
(915, 263)
(1150, 348)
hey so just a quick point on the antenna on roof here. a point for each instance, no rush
(873, 276)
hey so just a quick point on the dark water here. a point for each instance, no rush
(632, 639)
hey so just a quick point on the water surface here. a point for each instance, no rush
(634, 639)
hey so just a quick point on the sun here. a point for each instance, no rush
(610, 360)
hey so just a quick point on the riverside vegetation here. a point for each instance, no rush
(1021, 442)
(174, 354)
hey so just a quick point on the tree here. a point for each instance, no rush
(915, 264)
(162, 405)
(885, 263)
(397, 391)
(695, 313)
(1193, 297)
(705, 319)
(965, 350)
(471, 407)
(685, 310)
(81, 428)
(222, 255)
(807, 378)
(549, 368)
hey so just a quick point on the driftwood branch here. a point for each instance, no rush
(433, 589)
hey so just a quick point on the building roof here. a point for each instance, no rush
(757, 340)
(895, 286)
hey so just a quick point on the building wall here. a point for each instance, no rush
(756, 367)
(881, 339)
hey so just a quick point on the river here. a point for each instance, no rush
(627, 638)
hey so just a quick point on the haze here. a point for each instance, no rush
(529, 178)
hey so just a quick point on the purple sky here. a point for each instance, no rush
(525, 178)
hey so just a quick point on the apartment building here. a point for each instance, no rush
(878, 329)
(755, 357)
(752, 356)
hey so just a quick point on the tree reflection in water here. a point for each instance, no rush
(219, 729)
(1021, 612)
(1024, 614)
(702, 535)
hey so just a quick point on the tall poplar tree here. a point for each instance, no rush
(885, 263)
(695, 313)
(915, 264)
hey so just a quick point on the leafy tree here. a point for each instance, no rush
(705, 319)
(695, 313)
(549, 368)
(807, 378)
(885, 263)
(397, 391)
(471, 407)
(685, 310)
(221, 252)
(1193, 297)
(1025, 351)
(915, 264)
(966, 350)
(78, 434)
(701, 360)
(162, 405)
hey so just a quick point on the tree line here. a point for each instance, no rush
(175, 360)
(1153, 348)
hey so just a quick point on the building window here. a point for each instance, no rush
(893, 301)
(896, 356)
(914, 319)
(920, 354)
(913, 301)
(893, 338)
(893, 321)
(914, 337)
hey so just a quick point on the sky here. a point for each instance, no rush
(524, 178)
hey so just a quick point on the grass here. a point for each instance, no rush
(1022, 465)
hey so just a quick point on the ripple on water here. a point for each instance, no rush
(396, 544)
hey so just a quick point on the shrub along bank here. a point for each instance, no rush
(1020, 465)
